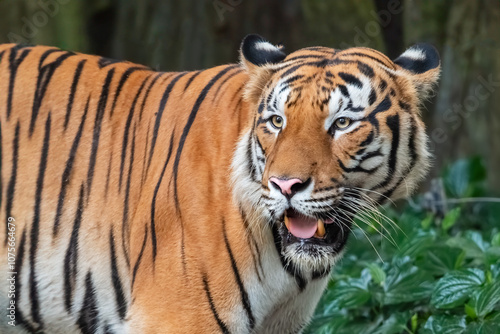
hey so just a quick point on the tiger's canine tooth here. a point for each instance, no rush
(321, 228)
(287, 222)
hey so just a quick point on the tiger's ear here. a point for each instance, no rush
(421, 64)
(259, 58)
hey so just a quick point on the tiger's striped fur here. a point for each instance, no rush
(142, 200)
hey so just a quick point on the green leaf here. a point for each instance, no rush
(482, 328)
(492, 255)
(377, 273)
(471, 313)
(485, 300)
(444, 324)
(440, 260)
(454, 288)
(405, 283)
(472, 250)
(414, 322)
(426, 223)
(461, 178)
(350, 293)
(417, 244)
(359, 327)
(450, 219)
(495, 271)
(395, 324)
(495, 241)
(327, 324)
(477, 238)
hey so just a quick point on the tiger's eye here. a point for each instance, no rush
(342, 123)
(277, 121)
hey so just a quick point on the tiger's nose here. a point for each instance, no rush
(288, 187)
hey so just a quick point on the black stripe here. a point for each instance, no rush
(308, 57)
(188, 125)
(382, 85)
(243, 293)
(252, 169)
(381, 107)
(89, 314)
(125, 76)
(153, 202)
(19, 266)
(121, 303)
(413, 161)
(148, 90)
(357, 169)
(20, 320)
(103, 62)
(125, 224)
(257, 260)
(146, 142)
(411, 143)
(108, 174)
(404, 106)
(159, 114)
(224, 81)
(101, 108)
(373, 97)
(13, 66)
(318, 274)
(291, 69)
(126, 132)
(366, 70)
(35, 227)
(360, 54)
(393, 124)
(72, 93)
(222, 325)
(188, 83)
(351, 79)
(67, 171)
(368, 140)
(45, 73)
(343, 90)
(107, 329)
(11, 187)
(289, 267)
(71, 257)
(292, 79)
(139, 258)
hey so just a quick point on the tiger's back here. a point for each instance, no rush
(82, 136)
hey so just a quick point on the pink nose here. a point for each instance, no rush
(284, 185)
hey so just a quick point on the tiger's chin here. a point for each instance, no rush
(316, 253)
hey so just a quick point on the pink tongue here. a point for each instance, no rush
(302, 227)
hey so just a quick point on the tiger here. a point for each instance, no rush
(210, 201)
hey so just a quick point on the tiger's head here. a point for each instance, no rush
(334, 133)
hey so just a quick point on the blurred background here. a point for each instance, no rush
(463, 118)
(437, 268)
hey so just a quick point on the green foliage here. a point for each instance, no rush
(428, 275)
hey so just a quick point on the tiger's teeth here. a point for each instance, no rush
(287, 222)
(320, 232)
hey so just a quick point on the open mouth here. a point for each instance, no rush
(324, 231)
(305, 227)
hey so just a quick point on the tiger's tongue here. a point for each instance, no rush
(301, 226)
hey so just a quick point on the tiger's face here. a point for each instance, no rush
(334, 133)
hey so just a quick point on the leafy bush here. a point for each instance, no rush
(437, 273)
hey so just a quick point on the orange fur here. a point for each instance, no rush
(202, 234)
